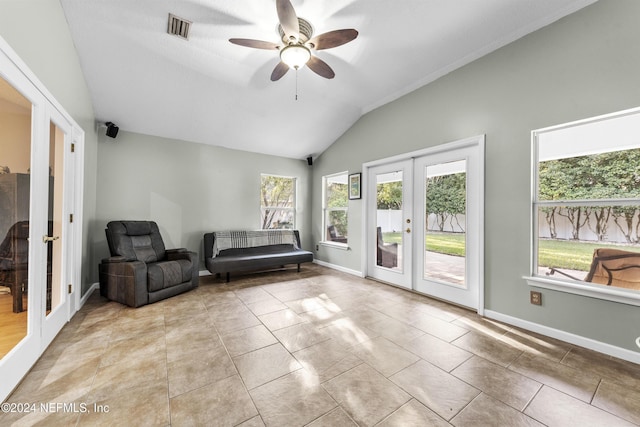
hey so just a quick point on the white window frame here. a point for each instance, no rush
(292, 209)
(620, 295)
(326, 210)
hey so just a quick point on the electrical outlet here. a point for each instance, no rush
(317, 247)
(536, 298)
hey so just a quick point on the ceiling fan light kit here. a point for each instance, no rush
(295, 55)
(298, 45)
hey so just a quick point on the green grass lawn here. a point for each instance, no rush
(571, 254)
(552, 253)
(445, 243)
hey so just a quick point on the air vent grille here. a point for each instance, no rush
(179, 27)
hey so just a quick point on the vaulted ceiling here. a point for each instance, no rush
(207, 90)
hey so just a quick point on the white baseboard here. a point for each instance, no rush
(338, 267)
(611, 350)
(87, 294)
(204, 273)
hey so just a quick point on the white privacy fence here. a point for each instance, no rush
(564, 229)
(392, 221)
(389, 220)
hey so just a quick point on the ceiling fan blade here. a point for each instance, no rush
(288, 19)
(320, 67)
(280, 70)
(332, 39)
(256, 44)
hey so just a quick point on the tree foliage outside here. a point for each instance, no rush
(389, 195)
(604, 176)
(446, 197)
(337, 194)
(277, 198)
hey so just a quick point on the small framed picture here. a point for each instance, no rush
(354, 186)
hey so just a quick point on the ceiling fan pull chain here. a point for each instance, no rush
(296, 84)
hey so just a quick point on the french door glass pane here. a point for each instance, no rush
(55, 287)
(445, 203)
(389, 220)
(15, 163)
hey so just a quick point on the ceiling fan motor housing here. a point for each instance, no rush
(306, 31)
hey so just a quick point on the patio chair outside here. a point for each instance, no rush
(611, 267)
(387, 253)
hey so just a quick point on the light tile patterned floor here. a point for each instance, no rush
(317, 348)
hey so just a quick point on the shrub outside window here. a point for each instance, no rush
(335, 208)
(277, 202)
(586, 203)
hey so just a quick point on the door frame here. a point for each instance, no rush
(477, 141)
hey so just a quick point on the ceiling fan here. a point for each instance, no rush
(297, 43)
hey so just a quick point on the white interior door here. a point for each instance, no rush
(389, 215)
(22, 224)
(59, 242)
(37, 185)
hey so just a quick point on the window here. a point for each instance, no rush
(335, 207)
(277, 202)
(586, 205)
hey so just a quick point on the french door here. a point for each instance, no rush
(424, 221)
(390, 200)
(59, 237)
(37, 192)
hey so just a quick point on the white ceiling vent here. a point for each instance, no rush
(179, 27)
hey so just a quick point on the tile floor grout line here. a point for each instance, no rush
(358, 302)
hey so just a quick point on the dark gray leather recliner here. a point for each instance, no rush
(140, 270)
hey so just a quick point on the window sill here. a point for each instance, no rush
(335, 245)
(619, 295)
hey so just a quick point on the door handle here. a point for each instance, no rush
(47, 239)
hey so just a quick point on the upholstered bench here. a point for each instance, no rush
(227, 252)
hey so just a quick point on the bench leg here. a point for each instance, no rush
(298, 268)
(228, 276)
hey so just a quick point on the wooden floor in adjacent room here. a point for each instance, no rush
(13, 326)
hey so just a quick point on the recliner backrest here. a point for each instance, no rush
(135, 240)
(15, 245)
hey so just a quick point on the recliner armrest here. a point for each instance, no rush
(169, 251)
(114, 259)
(181, 253)
(124, 281)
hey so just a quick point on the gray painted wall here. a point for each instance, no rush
(187, 188)
(584, 65)
(37, 31)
